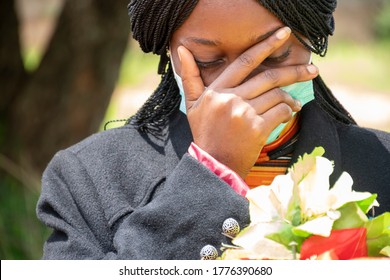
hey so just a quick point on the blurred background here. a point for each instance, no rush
(69, 66)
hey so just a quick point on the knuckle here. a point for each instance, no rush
(223, 101)
(280, 95)
(300, 71)
(258, 124)
(247, 60)
(272, 76)
(238, 113)
(285, 111)
(208, 95)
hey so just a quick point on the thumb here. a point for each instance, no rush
(190, 75)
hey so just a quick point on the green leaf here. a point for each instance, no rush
(319, 226)
(366, 204)
(301, 233)
(294, 215)
(376, 245)
(385, 251)
(378, 234)
(285, 236)
(352, 216)
(376, 226)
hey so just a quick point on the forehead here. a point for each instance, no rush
(227, 21)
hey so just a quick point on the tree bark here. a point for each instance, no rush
(11, 66)
(65, 99)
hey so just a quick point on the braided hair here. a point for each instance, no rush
(154, 21)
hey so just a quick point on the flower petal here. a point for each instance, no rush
(345, 244)
(253, 239)
(320, 226)
(313, 190)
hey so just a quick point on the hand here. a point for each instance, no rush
(233, 117)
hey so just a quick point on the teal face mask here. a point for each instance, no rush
(181, 88)
(303, 91)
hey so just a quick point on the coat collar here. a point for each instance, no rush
(178, 141)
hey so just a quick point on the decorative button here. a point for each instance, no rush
(230, 228)
(208, 252)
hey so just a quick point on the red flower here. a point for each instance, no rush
(342, 244)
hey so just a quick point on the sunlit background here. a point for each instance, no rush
(357, 69)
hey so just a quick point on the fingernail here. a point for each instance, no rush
(312, 69)
(283, 33)
(179, 52)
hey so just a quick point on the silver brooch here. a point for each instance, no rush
(208, 252)
(230, 228)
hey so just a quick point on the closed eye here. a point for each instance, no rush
(280, 58)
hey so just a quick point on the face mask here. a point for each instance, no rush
(303, 91)
(179, 83)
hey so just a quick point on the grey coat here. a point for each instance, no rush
(122, 194)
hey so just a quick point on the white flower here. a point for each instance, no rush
(296, 205)
(270, 203)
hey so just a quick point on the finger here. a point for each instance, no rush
(248, 61)
(190, 75)
(275, 78)
(272, 98)
(278, 114)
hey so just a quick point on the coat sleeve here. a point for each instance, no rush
(185, 213)
(69, 205)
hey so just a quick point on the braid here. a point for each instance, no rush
(160, 105)
(329, 103)
(312, 19)
(154, 21)
(152, 24)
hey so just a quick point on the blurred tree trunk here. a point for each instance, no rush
(65, 99)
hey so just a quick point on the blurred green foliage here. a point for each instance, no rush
(21, 234)
(382, 22)
(362, 66)
(136, 65)
(31, 59)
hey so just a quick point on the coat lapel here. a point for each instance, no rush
(319, 129)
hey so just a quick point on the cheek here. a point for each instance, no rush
(300, 54)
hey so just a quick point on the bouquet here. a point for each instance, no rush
(300, 217)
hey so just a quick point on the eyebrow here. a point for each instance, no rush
(207, 42)
(202, 41)
(262, 37)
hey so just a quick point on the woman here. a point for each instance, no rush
(164, 185)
